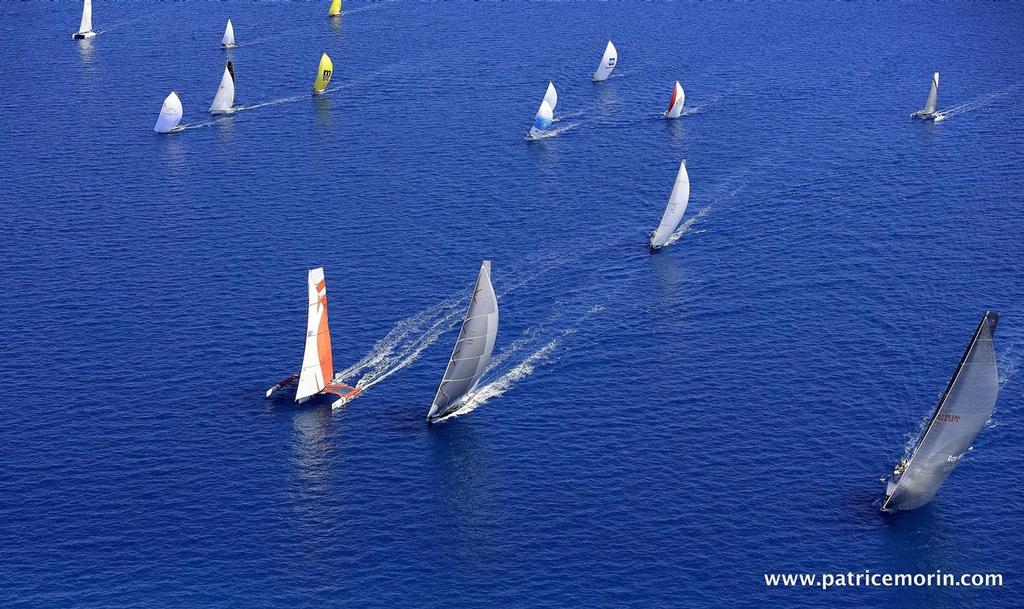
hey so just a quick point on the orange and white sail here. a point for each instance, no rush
(317, 364)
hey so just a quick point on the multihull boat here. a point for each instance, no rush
(317, 372)
(962, 411)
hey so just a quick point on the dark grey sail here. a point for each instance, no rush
(472, 349)
(964, 408)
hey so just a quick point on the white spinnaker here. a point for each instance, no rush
(170, 114)
(225, 97)
(675, 209)
(551, 96)
(472, 349)
(611, 57)
(317, 364)
(675, 108)
(933, 95)
(229, 36)
(86, 25)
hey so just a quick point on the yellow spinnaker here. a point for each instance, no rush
(323, 77)
(335, 9)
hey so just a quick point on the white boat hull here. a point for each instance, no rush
(83, 35)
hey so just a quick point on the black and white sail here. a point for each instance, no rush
(472, 349)
(964, 408)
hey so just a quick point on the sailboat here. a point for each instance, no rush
(85, 27)
(323, 75)
(928, 112)
(317, 373)
(224, 100)
(228, 40)
(335, 9)
(472, 349)
(675, 104)
(963, 409)
(170, 115)
(674, 210)
(545, 114)
(608, 61)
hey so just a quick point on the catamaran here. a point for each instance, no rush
(608, 61)
(963, 409)
(224, 100)
(85, 27)
(170, 115)
(472, 349)
(323, 75)
(317, 373)
(228, 40)
(335, 8)
(545, 114)
(675, 104)
(928, 112)
(674, 210)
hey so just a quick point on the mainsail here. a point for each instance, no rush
(472, 349)
(323, 75)
(674, 210)
(551, 96)
(229, 36)
(317, 365)
(611, 56)
(170, 114)
(962, 411)
(335, 8)
(675, 104)
(933, 95)
(85, 26)
(225, 97)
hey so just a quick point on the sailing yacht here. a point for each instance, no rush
(335, 9)
(608, 62)
(228, 41)
(323, 75)
(317, 372)
(674, 210)
(170, 115)
(472, 350)
(224, 100)
(928, 112)
(85, 27)
(963, 409)
(675, 103)
(545, 114)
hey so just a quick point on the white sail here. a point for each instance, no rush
(675, 103)
(86, 24)
(933, 95)
(674, 210)
(229, 36)
(611, 57)
(542, 120)
(225, 97)
(170, 114)
(472, 349)
(551, 96)
(317, 363)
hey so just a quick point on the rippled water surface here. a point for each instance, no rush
(656, 431)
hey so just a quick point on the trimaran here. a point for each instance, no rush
(317, 373)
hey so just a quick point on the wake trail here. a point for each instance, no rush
(975, 104)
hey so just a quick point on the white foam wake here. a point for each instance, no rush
(552, 132)
(974, 104)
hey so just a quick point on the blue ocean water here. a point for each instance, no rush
(659, 431)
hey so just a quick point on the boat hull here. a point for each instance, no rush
(921, 114)
(83, 35)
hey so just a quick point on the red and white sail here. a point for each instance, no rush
(317, 364)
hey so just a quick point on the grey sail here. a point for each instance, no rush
(472, 349)
(964, 408)
(933, 95)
